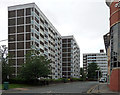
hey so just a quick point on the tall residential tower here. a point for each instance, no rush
(29, 28)
(70, 57)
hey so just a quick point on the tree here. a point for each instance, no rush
(36, 66)
(82, 74)
(6, 68)
(92, 71)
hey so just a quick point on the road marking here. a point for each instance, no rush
(92, 88)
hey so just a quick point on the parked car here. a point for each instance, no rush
(102, 80)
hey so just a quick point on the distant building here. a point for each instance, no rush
(99, 58)
(70, 57)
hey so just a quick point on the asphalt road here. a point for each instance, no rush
(73, 87)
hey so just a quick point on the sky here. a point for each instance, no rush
(87, 20)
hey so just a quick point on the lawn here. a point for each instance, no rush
(17, 86)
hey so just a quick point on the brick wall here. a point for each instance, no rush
(115, 80)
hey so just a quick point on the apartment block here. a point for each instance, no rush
(70, 57)
(29, 28)
(99, 58)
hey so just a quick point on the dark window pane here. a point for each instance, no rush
(20, 29)
(28, 45)
(36, 28)
(28, 36)
(11, 30)
(11, 46)
(20, 61)
(12, 53)
(20, 37)
(20, 45)
(20, 20)
(28, 20)
(36, 36)
(11, 14)
(11, 38)
(20, 53)
(28, 11)
(20, 12)
(36, 20)
(11, 21)
(36, 12)
(28, 28)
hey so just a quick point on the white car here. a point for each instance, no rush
(102, 80)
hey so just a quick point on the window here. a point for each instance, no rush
(28, 20)
(41, 21)
(20, 12)
(36, 20)
(42, 50)
(28, 28)
(36, 28)
(28, 36)
(20, 53)
(36, 12)
(64, 69)
(20, 45)
(20, 61)
(20, 29)
(28, 11)
(20, 20)
(11, 14)
(12, 53)
(11, 38)
(36, 36)
(20, 37)
(11, 46)
(41, 28)
(41, 35)
(36, 44)
(11, 30)
(28, 45)
(11, 22)
(41, 43)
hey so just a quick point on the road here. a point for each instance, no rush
(73, 87)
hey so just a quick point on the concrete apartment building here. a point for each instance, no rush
(99, 58)
(70, 57)
(29, 28)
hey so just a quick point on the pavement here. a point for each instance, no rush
(101, 88)
(72, 87)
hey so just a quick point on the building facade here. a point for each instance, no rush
(70, 57)
(99, 58)
(29, 28)
(114, 38)
(112, 45)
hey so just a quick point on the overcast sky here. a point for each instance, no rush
(87, 20)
